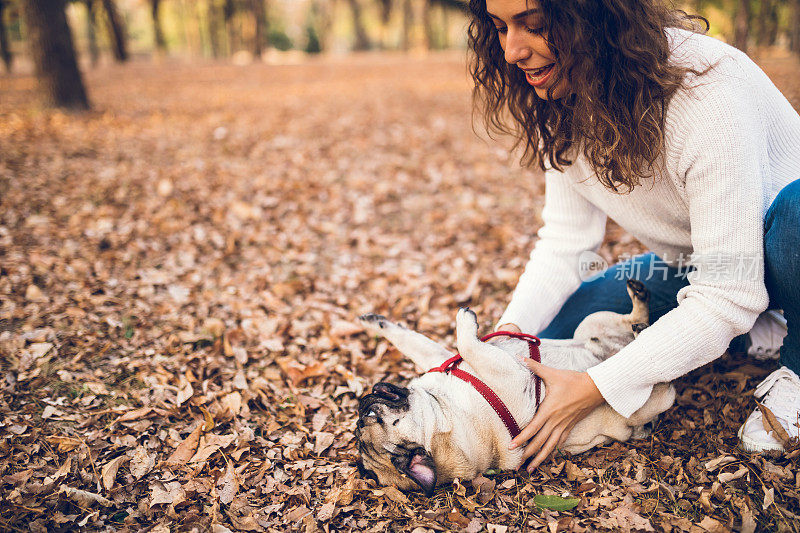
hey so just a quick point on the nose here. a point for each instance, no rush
(517, 46)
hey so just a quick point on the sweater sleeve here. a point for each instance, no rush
(571, 225)
(722, 163)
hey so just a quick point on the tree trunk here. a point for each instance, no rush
(445, 35)
(772, 24)
(213, 24)
(91, 33)
(54, 54)
(794, 26)
(408, 24)
(362, 40)
(427, 25)
(161, 43)
(5, 51)
(116, 31)
(195, 20)
(767, 23)
(229, 9)
(741, 23)
(761, 22)
(386, 11)
(323, 20)
(260, 37)
(385, 17)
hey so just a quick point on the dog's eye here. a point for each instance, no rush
(374, 414)
(396, 422)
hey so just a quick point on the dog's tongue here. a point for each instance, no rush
(421, 471)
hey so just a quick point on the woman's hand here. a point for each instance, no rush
(570, 396)
(510, 327)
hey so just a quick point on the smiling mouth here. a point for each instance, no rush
(538, 76)
(539, 71)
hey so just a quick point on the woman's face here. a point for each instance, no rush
(520, 27)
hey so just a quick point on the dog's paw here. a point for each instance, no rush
(638, 328)
(637, 290)
(372, 321)
(642, 432)
(467, 321)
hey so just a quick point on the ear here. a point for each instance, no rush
(418, 466)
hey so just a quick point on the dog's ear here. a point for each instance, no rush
(418, 465)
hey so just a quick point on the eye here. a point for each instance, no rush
(396, 422)
(502, 29)
(535, 31)
(373, 413)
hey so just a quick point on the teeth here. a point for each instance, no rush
(540, 73)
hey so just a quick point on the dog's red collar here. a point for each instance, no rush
(451, 367)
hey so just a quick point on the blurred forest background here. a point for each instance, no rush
(285, 31)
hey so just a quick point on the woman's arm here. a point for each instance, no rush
(572, 225)
(721, 159)
(723, 162)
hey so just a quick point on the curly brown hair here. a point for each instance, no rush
(615, 56)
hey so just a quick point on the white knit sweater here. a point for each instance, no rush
(732, 143)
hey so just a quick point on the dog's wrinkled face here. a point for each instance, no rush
(390, 441)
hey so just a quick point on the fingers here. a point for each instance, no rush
(530, 430)
(543, 414)
(539, 441)
(564, 436)
(544, 453)
(534, 427)
(537, 368)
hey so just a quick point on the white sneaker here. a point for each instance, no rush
(766, 337)
(781, 393)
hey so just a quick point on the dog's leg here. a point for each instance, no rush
(640, 298)
(638, 328)
(605, 332)
(491, 363)
(661, 399)
(424, 352)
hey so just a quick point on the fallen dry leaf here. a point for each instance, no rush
(748, 521)
(170, 493)
(109, 471)
(142, 462)
(228, 485)
(769, 497)
(84, 498)
(771, 425)
(719, 462)
(187, 447)
(713, 526)
(64, 444)
(726, 477)
(185, 392)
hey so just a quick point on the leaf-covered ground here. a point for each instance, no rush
(179, 274)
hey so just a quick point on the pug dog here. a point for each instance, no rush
(440, 428)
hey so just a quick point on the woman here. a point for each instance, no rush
(685, 143)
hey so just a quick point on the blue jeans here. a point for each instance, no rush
(607, 291)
